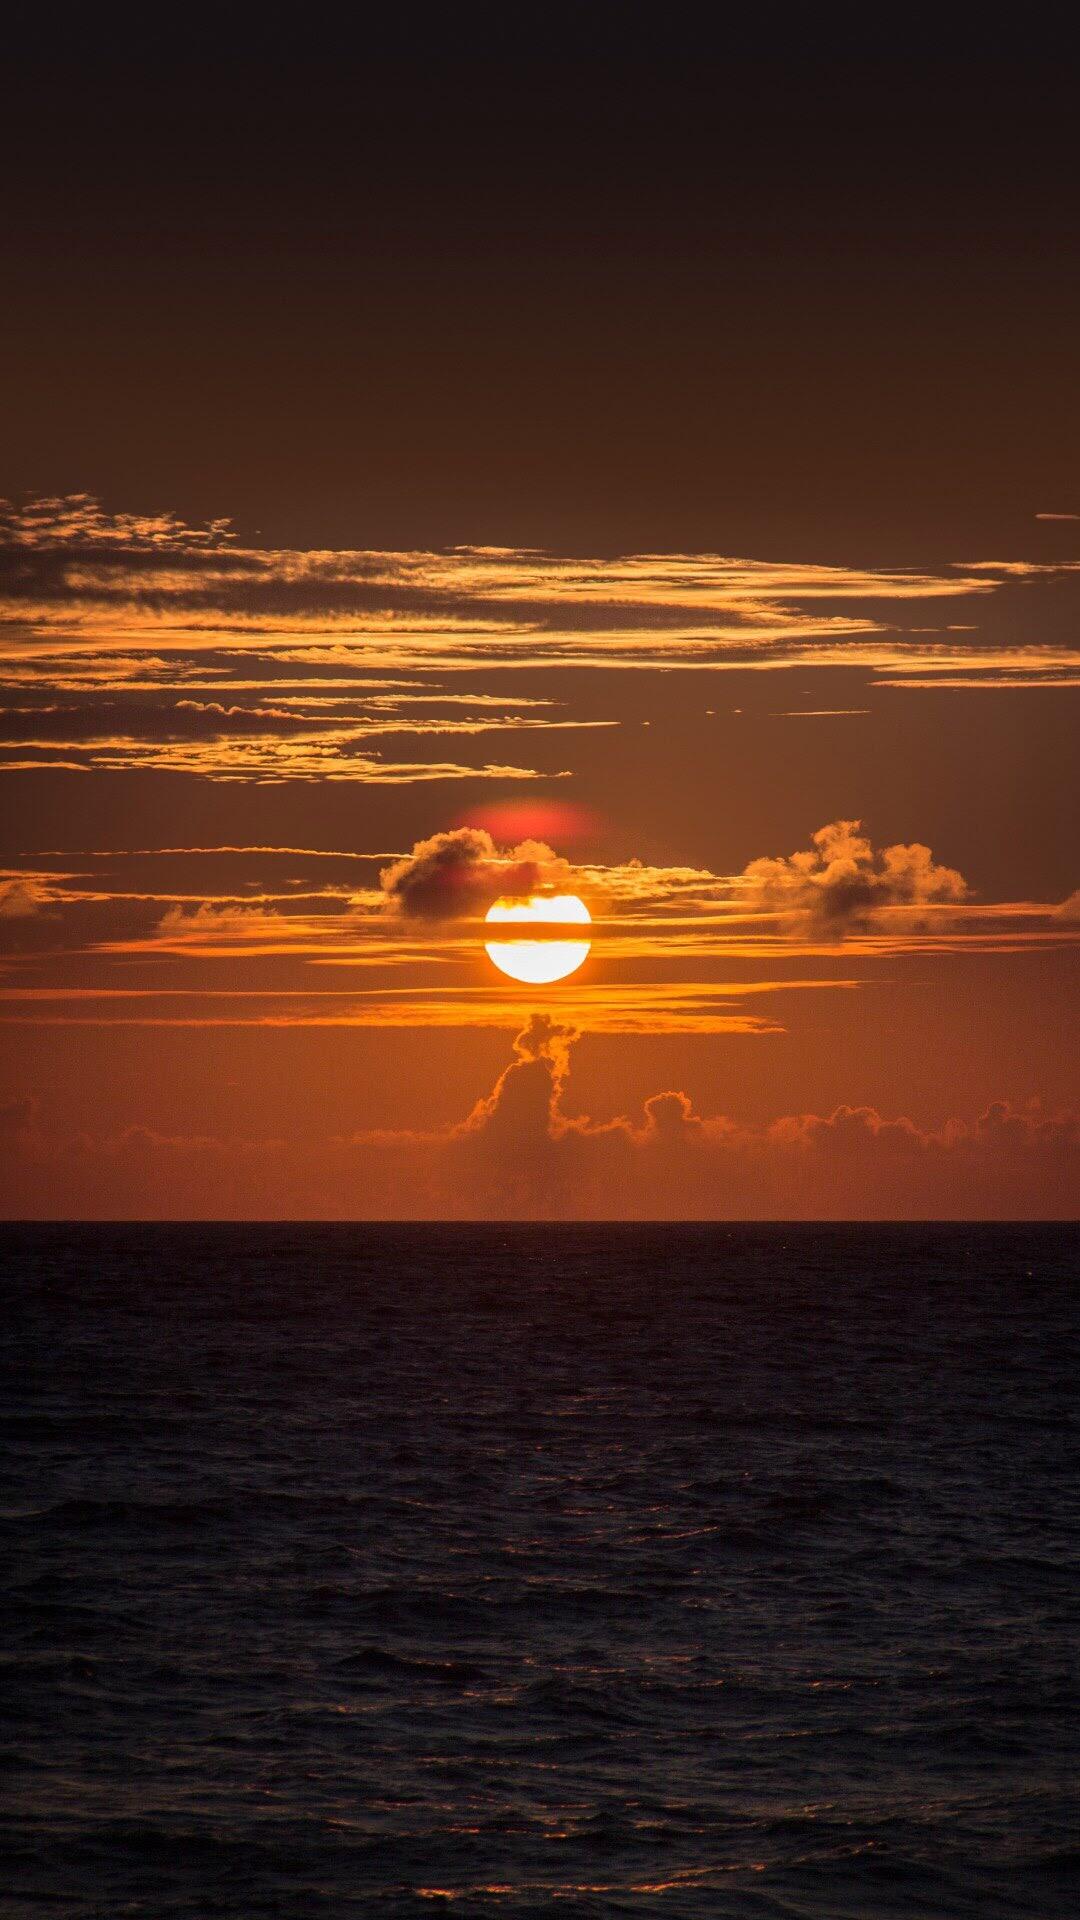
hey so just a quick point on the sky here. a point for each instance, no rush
(590, 472)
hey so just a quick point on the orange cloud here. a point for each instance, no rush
(22, 899)
(519, 1155)
(83, 594)
(842, 882)
(79, 520)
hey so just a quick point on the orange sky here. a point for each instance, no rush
(648, 476)
(261, 800)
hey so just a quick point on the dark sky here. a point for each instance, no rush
(777, 297)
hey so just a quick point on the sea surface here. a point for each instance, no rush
(532, 1570)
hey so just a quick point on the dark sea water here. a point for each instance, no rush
(527, 1570)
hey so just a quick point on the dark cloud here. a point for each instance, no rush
(520, 1155)
(842, 881)
(452, 876)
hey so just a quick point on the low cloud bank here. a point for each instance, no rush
(520, 1155)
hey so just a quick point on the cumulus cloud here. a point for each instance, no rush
(451, 876)
(521, 1155)
(841, 881)
(528, 1092)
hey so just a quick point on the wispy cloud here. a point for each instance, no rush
(663, 1008)
(96, 603)
(80, 520)
(397, 939)
(267, 756)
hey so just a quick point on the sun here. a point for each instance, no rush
(539, 961)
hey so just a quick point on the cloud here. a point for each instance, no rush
(1069, 910)
(622, 1008)
(483, 1158)
(266, 760)
(148, 644)
(77, 579)
(521, 1155)
(671, 945)
(530, 1088)
(22, 900)
(79, 520)
(219, 917)
(842, 882)
(455, 875)
(108, 723)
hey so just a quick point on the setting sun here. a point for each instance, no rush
(539, 961)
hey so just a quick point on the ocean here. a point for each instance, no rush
(576, 1570)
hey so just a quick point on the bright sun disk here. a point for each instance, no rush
(539, 961)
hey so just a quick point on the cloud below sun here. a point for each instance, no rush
(520, 1154)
